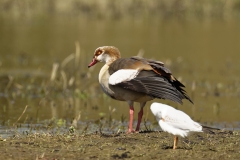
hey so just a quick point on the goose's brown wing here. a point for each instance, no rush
(152, 79)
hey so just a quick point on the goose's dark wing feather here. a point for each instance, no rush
(153, 79)
(156, 87)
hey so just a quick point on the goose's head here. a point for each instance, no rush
(106, 54)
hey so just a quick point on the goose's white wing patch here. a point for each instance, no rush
(122, 75)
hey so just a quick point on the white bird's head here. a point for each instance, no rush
(157, 109)
(106, 54)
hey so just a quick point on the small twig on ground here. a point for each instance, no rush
(140, 53)
(54, 71)
(67, 60)
(64, 76)
(21, 115)
(10, 82)
(76, 119)
(77, 55)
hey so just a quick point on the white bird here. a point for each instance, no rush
(174, 121)
(136, 79)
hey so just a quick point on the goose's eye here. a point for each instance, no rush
(98, 53)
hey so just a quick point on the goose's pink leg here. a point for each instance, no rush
(140, 114)
(130, 126)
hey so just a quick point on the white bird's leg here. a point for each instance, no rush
(175, 142)
(140, 114)
(131, 114)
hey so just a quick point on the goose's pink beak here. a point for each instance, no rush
(94, 61)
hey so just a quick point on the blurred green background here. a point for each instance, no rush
(45, 47)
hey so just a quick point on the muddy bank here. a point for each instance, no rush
(150, 145)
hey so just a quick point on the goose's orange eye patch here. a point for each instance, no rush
(98, 52)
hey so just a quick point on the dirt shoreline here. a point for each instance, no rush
(144, 145)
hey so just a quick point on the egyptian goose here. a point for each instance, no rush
(174, 121)
(136, 79)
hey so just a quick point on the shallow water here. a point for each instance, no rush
(204, 55)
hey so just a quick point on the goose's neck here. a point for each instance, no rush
(102, 72)
(110, 60)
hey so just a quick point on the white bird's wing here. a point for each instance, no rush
(179, 120)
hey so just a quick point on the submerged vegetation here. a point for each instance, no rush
(61, 79)
(62, 86)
